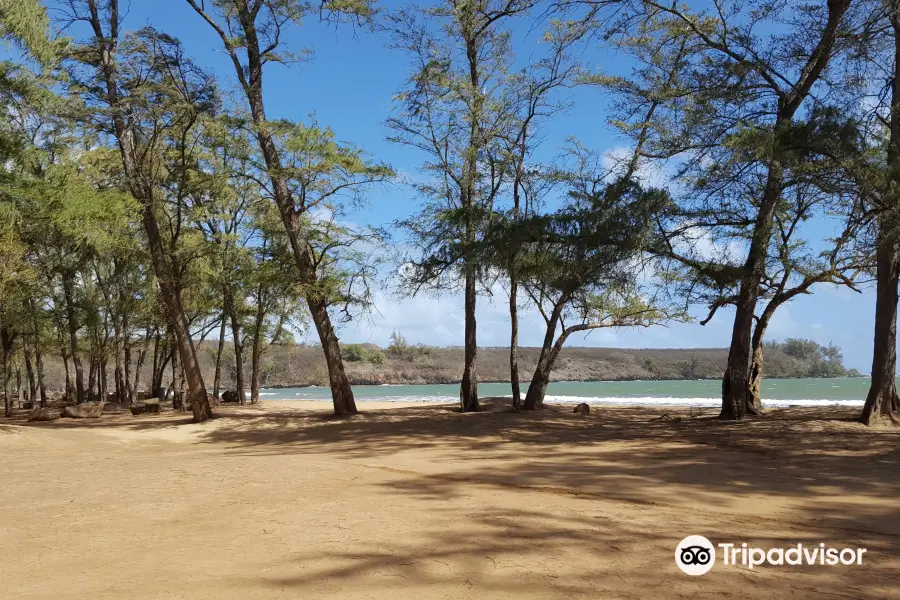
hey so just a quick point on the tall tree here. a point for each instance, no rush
(533, 91)
(728, 96)
(158, 88)
(883, 186)
(449, 111)
(251, 33)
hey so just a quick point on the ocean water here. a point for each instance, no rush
(775, 392)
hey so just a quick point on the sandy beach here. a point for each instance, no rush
(419, 501)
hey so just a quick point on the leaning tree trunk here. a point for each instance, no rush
(341, 392)
(882, 395)
(217, 378)
(142, 190)
(537, 389)
(736, 381)
(171, 295)
(549, 351)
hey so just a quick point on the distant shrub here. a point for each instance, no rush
(399, 348)
(360, 353)
(811, 359)
(800, 349)
(354, 353)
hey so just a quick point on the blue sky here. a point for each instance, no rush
(350, 83)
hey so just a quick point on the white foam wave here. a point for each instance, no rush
(710, 402)
(616, 400)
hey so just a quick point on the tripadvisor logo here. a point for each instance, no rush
(696, 555)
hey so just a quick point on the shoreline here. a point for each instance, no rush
(371, 383)
(639, 402)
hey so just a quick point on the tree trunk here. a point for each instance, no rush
(537, 389)
(72, 319)
(29, 373)
(341, 392)
(468, 393)
(514, 341)
(549, 351)
(142, 356)
(126, 367)
(6, 347)
(19, 388)
(196, 389)
(342, 395)
(177, 398)
(754, 389)
(754, 386)
(39, 363)
(141, 188)
(254, 370)
(256, 350)
(92, 377)
(118, 372)
(736, 381)
(238, 349)
(38, 356)
(102, 380)
(883, 391)
(70, 392)
(217, 378)
(882, 398)
(161, 357)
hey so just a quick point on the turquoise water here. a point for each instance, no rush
(776, 392)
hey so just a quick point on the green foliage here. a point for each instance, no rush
(800, 349)
(26, 25)
(362, 353)
(400, 349)
(811, 359)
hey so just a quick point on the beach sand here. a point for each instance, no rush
(412, 501)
